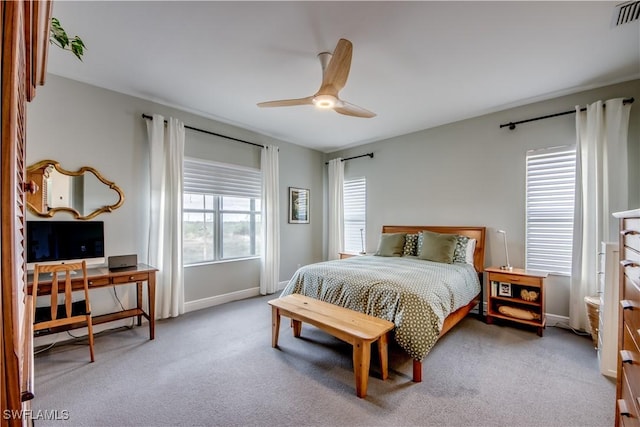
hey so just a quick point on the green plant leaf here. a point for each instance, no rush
(58, 36)
(77, 47)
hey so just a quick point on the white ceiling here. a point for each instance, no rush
(416, 64)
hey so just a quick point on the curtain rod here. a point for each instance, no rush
(148, 117)
(355, 157)
(512, 125)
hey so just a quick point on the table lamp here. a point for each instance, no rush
(506, 252)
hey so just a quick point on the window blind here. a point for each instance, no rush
(550, 195)
(221, 179)
(355, 208)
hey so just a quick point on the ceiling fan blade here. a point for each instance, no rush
(353, 110)
(287, 102)
(335, 75)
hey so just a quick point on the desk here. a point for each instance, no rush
(103, 277)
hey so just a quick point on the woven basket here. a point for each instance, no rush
(593, 313)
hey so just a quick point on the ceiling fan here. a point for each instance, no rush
(335, 70)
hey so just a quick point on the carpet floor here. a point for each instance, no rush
(216, 367)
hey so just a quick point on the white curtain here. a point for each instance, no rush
(166, 148)
(270, 266)
(601, 189)
(335, 208)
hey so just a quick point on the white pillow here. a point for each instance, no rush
(471, 247)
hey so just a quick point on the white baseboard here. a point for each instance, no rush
(554, 319)
(220, 299)
(282, 285)
(188, 306)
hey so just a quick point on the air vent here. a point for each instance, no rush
(626, 12)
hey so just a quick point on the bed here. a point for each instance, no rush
(424, 299)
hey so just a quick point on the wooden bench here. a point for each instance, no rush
(357, 329)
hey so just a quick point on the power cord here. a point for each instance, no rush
(564, 325)
(115, 294)
(47, 348)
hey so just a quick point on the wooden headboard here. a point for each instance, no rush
(471, 232)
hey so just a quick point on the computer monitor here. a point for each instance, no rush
(50, 242)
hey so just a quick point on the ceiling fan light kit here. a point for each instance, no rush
(335, 70)
(325, 101)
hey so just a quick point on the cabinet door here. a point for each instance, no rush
(25, 29)
(12, 198)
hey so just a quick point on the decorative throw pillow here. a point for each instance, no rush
(410, 245)
(391, 244)
(460, 252)
(437, 247)
(471, 248)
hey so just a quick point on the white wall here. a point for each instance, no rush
(473, 173)
(469, 172)
(82, 125)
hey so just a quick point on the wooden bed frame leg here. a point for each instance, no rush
(417, 371)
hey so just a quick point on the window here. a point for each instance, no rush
(355, 214)
(551, 177)
(221, 212)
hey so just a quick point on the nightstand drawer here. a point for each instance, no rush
(514, 278)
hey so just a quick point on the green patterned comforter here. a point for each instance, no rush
(414, 294)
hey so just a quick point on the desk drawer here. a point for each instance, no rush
(102, 281)
(133, 277)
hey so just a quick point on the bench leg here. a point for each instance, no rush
(275, 326)
(361, 360)
(384, 356)
(297, 327)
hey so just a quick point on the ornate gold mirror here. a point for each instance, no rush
(84, 193)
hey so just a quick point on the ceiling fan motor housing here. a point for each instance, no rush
(335, 70)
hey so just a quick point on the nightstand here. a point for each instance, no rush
(344, 255)
(517, 296)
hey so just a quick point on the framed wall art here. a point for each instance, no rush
(298, 205)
